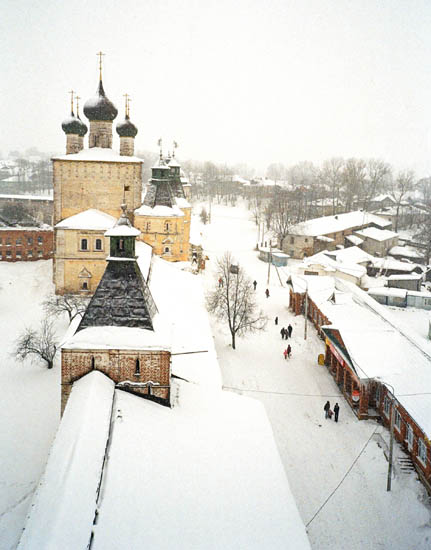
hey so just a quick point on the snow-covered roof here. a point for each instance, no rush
(159, 211)
(381, 348)
(392, 264)
(339, 222)
(351, 254)
(122, 231)
(354, 239)
(204, 474)
(113, 337)
(377, 234)
(405, 251)
(182, 202)
(90, 219)
(144, 254)
(386, 291)
(411, 276)
(381, 198)
(28, 197)
(100, 154)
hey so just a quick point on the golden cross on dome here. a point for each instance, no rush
(127, 104)
(71, 99)
(77, 98)
(100, 55)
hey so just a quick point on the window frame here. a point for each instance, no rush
(81, 241)
(397, 420)
(409, 436)
(101, 245)
(422, 446)
(387, 405)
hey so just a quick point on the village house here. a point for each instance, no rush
(312, 236)
(380, 368)
(377, 242)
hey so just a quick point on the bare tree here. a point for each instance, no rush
(71, 304)
(331, 176)
(401, 186)
(353, 180)
(204, 215)
(41, 343)
(233, 299)
(378, 172)
(281, 217)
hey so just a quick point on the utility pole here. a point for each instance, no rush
(391, 440)
(270, 261)
(306, 309)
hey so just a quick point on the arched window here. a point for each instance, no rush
(166, 226)
(167, 250)
(98, 244)
(84, 244)
(92, 363)
(121, 244)
(137, 367)
(84, 285)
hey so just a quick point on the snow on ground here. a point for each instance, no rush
(30, 395)
(415, 320)
(316, 453)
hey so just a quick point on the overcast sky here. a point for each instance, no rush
(231, 81)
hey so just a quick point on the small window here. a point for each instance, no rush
(378, 395)
(30, 254)
(306, 240)
(84, 285)
(409, 436)
(8, 241)
(167, 249)
(137, 367)
(40, 253)
(8, 253)
(29, 240)
(39, 240)
(18, 254)
(292, 240)
(148, 226)
(1, 241)
(166, 226)
(397, 420)
(84, 244)
(18, 241)
(98, 244)
(93, 363)
(422, 450)
(120, 245)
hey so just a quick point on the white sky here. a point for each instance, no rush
(231, 81)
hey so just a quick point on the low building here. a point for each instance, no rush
(40, 207)
(406, 253)
(309, 237)
(377, 242)
(413, 281)
(26, 243)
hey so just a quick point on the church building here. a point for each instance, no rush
(89, 184)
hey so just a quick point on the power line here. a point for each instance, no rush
(283, 393)
(343, 478)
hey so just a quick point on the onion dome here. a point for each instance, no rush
(72, 125)
(126, 128)
(99, 107)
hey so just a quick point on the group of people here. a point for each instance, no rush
(286, 333)
(329, 413)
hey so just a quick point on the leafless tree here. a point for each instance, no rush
(281, 217)
(331, 176)
(73, 305)
(233, 300)
(41, 343)
(377, 174)
(401, 186)
(353, 180)
(204, 215)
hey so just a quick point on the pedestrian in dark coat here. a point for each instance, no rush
(267, 293)
(289, 351)
(336, 411)
(276, 321)
(282, 332)
(326, 408)
(289, 329)
(255, 284)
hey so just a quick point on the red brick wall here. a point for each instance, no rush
(119, 365)
(25, 244)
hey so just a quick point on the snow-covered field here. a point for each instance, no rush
(316, 454)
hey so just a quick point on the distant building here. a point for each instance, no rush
(377, 242)
(26, 243)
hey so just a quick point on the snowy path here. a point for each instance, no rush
(316, 452)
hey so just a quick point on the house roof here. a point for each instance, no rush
(339, 222)
(99, 154)
(377, 234)
(90, 219)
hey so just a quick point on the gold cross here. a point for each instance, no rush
(127, 104)
(77, 105)
(100, 54)
(71, 100)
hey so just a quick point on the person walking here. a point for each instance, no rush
(255, 284)
(289, 330)
(327, 408)
(282, 332)
(276, 321)
(267, 293)
(336, 411)
(220, 282)
(285, 352)
(289, 351)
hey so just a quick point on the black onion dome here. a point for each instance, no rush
(99, 107)
(126, 128)
(83, 127)
(72, 125)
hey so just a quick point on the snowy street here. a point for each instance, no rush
(316, 453)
